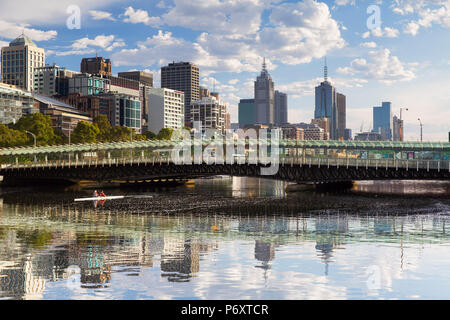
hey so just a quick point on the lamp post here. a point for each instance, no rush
(421, 130)
(34, 137)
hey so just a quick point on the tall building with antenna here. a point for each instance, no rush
(331, 105)
(264, 97)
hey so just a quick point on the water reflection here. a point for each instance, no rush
(303, 256)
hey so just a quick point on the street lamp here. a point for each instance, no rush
(421, 130)
(34, 137)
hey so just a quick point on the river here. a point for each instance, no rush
(227, 238)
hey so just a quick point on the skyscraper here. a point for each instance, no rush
(264, 97)
(19, 60)
(397, 129)
(326, 106)
(281, 108)
(382, 120)
(185, 77)
(342, 115)
(247, 113)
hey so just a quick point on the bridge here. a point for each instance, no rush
(299, 161)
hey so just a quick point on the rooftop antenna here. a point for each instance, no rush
(325, 70)
(214, 84)
(264, 66)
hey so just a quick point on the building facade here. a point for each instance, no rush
(96, 66)
(88, 84)
(281, 108)
(246, 113)
(326, 106)
(166, 109)
(19, 60)
(368, 136)
(52, 80)
(184, 77)
(341, 105)
(264, 98)
(211, 112)
(397, 129)
(13, 103)
(382, 120)
(64, 117)
(145, 78)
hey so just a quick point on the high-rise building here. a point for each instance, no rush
(342, 115)
(166, 109)
(184, 77)
(96, 66)
(127, 111)
(144, 77)
(19, 60)
(211, 112)
(348, 134)
(368, 136)
(382, 120)
(52, 80)
(281, 108)
(264, 97)
(397, 129)
(326, 104)
(247, 113)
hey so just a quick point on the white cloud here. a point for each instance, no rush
(140, 16)
(45, 12)
(382, 66)
(380, 32)
(101, 15)
(85, 45)
(368, 44)
(12, 30)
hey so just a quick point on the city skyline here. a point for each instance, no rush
(369, 65)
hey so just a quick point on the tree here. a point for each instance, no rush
(165, 134)
(11, 138)
(41, 126)
(119, 133)
(105, 128)
(85, 133)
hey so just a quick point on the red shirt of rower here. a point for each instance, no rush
(102, 194)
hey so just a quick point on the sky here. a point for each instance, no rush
(377, 50)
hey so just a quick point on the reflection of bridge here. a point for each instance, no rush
(299, 161)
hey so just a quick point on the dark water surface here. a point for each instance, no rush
(228, 238)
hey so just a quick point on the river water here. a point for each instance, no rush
(228, 238)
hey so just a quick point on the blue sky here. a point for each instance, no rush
(401, 57)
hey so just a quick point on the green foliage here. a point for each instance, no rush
(105, 128)
(85, 133)
(41, 126)
(150, 135)
(165, 134)
(11, 138)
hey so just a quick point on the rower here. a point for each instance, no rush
(102, 194)
(95, 195)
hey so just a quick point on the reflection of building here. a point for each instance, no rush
(328, 236)
(180, 259)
